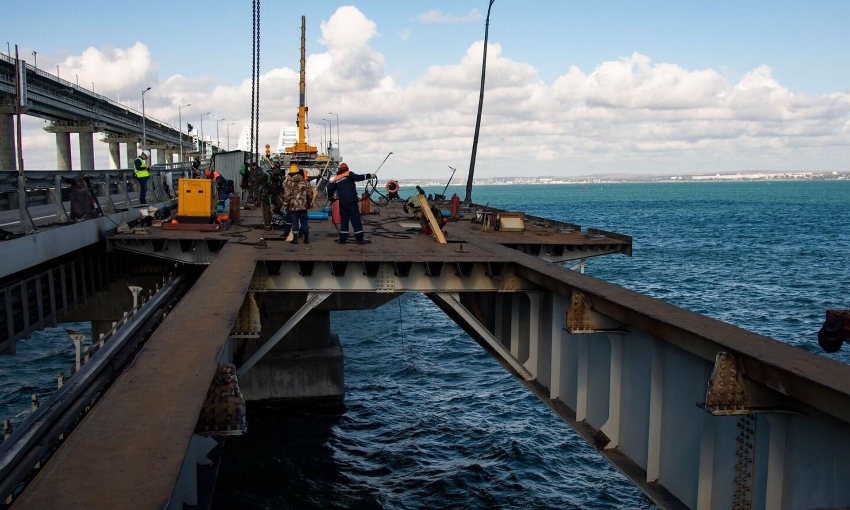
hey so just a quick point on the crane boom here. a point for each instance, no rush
(301, 146)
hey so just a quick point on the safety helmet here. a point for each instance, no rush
(343, 167)
(293, 168)
(146, 154)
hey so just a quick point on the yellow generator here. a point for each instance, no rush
(196, 200)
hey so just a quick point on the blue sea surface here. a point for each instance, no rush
(431, 421)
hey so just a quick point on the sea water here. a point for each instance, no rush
(432, 421)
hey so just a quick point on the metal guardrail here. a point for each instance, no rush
(49, 191)
(27, 445)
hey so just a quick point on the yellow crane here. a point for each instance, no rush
(302, 151)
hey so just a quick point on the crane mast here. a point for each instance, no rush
(301, 147)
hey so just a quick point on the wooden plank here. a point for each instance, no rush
(435, 227)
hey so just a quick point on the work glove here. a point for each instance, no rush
(368, 176)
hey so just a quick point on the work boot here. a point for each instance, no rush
(340, 240)
(306, 238)
(294, 240)
(362, 241)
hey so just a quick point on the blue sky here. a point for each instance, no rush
(800, 48)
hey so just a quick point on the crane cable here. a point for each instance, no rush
(255, 83)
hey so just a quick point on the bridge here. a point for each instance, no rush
(70, 108)
(695, 412)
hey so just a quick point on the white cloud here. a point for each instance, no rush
(436, 16)
(405, 34)
(628, 114)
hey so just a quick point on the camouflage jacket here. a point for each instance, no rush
(297, 194)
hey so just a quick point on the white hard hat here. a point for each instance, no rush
(146, 154)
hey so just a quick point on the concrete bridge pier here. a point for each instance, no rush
(63, 151)
(305, 367)
(63, 132)
(160, 156)
(8, 160)
(132, 153)
(86, 150)
(114, 155)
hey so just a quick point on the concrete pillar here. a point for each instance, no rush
(131, 154)
(160, 156)
(86, 151)
(63, 151)
(8, 159)
(114, 156)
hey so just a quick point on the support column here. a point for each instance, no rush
(63, 151)
(131, 154)
(86, 150)
(114, 156)
(160, 156)
(8, 160)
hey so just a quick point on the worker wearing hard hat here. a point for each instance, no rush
(298, 195)
(142, 172)
(349, 201)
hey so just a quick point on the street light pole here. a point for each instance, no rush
(34, 58)
(180, 121)
(57, 70)
(201, 144)
(144, 132)
(337, 128)
(217, 138)
(330, 134)
(227, 127)
(322, 138)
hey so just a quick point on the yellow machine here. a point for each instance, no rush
(196, 200)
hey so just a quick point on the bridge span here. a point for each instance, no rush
(71, 108)
(695, 412)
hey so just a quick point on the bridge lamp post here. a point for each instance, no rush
(227, 127)
(337, 128)
(34, 58)
(180, 122)
(322, 138)
(201, 145)
(330, 134)
(57, 71)
(217, 138)
(144, 133)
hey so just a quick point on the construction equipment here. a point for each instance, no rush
(302, 152)
(196, 201)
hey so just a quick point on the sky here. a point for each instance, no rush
(573, 88)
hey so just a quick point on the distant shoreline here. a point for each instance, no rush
(546, 180)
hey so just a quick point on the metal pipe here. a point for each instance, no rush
(180, 127)
(468, 197)
(144, 134)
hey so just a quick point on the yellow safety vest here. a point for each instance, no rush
(144, 171)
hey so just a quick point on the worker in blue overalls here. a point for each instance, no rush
(344, 189)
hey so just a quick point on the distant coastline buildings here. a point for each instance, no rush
(598, 179)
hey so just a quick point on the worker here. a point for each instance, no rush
(270, 195)
(344, 189)
(298, 197)
(196, 168)
(142, 172)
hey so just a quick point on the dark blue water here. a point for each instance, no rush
(431, 421)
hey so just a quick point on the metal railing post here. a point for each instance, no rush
(110, 205)
(126, 190)
(26, 220)
(61, 214)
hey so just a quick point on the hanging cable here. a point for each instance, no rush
(253, 74)
(257, 79)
